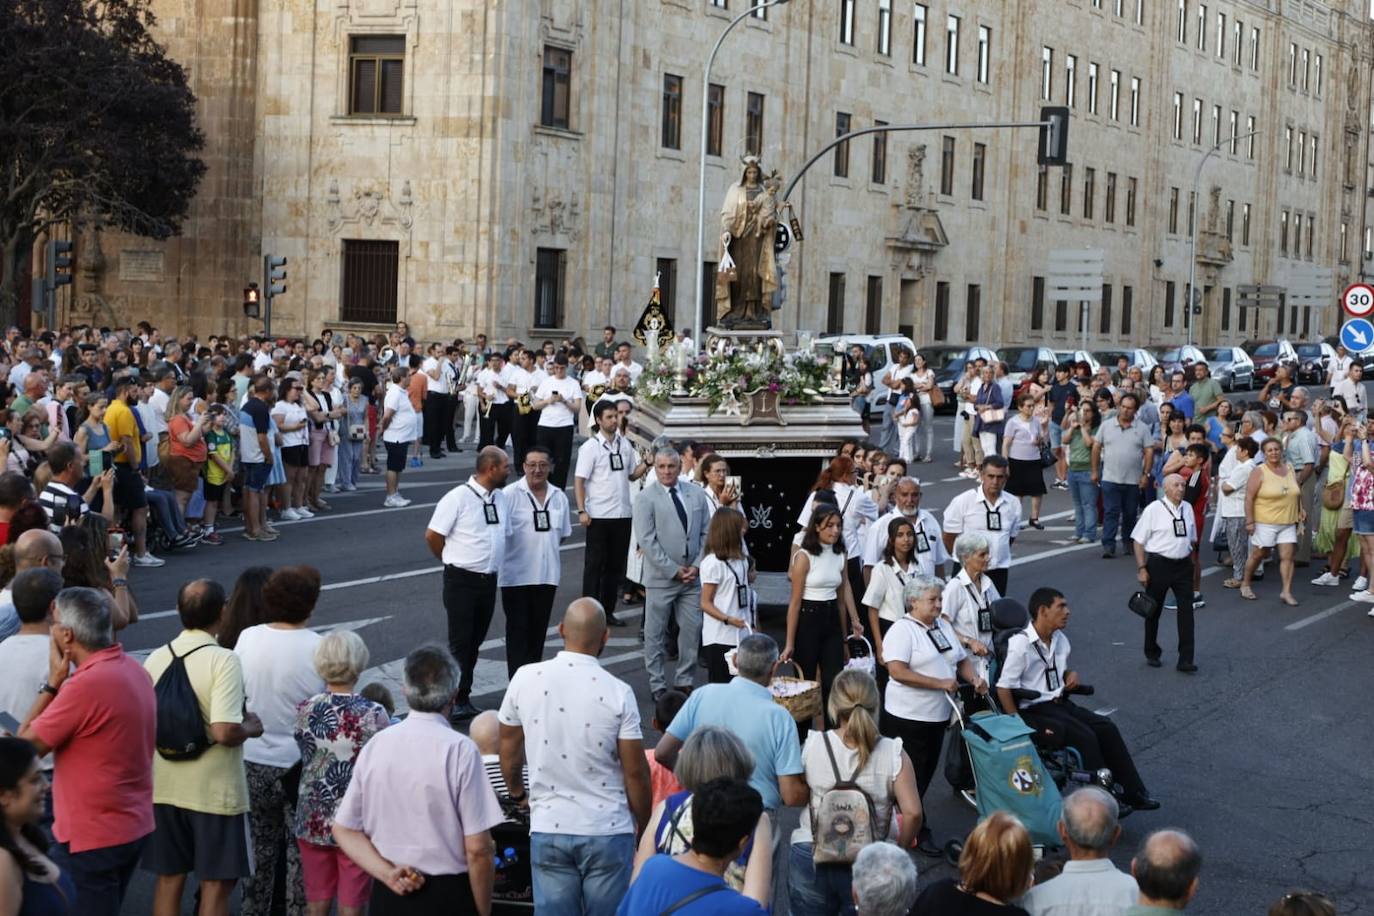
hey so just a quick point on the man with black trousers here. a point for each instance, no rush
(449, 368)
(435, 405)
(606, 463)
(494, 405)
(468, 532)
(1164, 539)
(557, 400)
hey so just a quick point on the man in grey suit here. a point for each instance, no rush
(670, 522)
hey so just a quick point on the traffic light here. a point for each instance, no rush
(1053, 146)
(252, 307)
(59, 264)
(274, 272)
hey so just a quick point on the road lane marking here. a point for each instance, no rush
(1322, 615)
(142, 654)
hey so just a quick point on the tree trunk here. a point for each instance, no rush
(12, 269)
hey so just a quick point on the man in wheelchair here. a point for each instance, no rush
(1036, 679)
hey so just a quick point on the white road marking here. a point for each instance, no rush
(1329, 612)
(142, 654)
(1047, 554)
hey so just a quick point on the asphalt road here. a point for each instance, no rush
(1252, 755)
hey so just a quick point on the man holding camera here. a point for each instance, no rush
(59, 498)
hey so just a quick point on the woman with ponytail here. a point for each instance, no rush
(880, 768)
(31, 884)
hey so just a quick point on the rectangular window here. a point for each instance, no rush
(667, 285)
(952, 45)
(1046, 73)
(1110, 212)
(1135, 101)
(1139, 12)
(1230, 220)
(1173, 211)
(760, 11)
(1127, 294)
(1250, 140)
(1037, 319)
(1192, 212)
(1216, 125)
(1293, 64)
(376, 73)
(941, 329)
(1345, 235)
(1288, 148)
(1234, 124)
(1061, 315)
(1115, 95)
(721, 4)
(918, 44)
(753, 124)
(1089, 187)
(1130, 201)
(1237, 41)
(715, 119)
(1182, 24)
(879, 155)
(873, 308)
(984, 53)
(556, 101)
(1197, 121)
(1178, 116)
(550, 271)
(1240, 319)
(1317, 76)
(1297, 235)
(1119, 7)
(1092, 88)
(1254, 48)
(1311, 234)
(947, 166)
(369, 284)
(847, 22)
(708, 291)
(1168, 303)
(1202, 27)
(1302, 152)
(842, 151)
(1226, 308)
(1312, 146)
(1306, 69)
(672, 111)
(1283, 232)
(1245, 225)
(1070, 80)
(1042, 187)
(885, 28)
(972, 305)
(1066, 189)
(1221, 36)
(834, 312)
(1105, 322)
(980, 155)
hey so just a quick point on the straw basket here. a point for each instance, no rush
(800, 697)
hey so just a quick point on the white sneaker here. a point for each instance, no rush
(1361, 584)
(1327, 580)
(303, 512)
(290, 515)
(1365, 597)
(148, 559)
(395, 501)
(1371, 613)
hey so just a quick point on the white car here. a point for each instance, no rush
(880, 348)
(1078, 356)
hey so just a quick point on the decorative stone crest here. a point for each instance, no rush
(553, 215)
(915, 176)
(369, 205)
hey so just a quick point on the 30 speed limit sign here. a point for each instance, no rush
(1358, 300)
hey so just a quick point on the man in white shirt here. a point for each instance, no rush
(931, 554)
(494, 406)
(1339, 368)
(588, 794)
(468, 532)
(159, 396)
(557, 400)
(398, 426)
(1351, 387)
(606, 463)
(1089, 883)
(1038, 663)
(520, 385)
(539, 523)
(1163, 541)
(32, 362)
(24, 656)
(435, 403)
(988, 509)
(449, 370)
(263, 358)
(624, 363)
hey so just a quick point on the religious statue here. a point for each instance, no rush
(747, 275)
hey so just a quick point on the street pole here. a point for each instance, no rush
(701, 174)
(1192, 229)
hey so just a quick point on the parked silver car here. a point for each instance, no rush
(1231, 367)
(1137, 356)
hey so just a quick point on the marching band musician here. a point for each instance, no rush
(495, 421)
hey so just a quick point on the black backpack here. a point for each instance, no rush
(181, 731)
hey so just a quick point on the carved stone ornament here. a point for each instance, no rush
(763, 406)
(553, 215)
(370, 204)
(915, 175)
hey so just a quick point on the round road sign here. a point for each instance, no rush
(1358, 300)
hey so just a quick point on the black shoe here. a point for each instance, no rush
(1143, 802)
(614, 621)
(1108, 553)
(1037, 524)
(926, 847)
(434, 457)
(1153, 662)
(1186, 668)
(464, 710)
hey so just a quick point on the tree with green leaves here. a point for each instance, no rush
(96, 122)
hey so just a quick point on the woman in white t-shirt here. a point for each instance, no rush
(880, 768)
(968, 598)
(292, 421)
(924, 379)
(278, 660)
(1231, 505)
(726, 597)
(883, 597)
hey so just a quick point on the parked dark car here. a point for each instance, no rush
(1314, 359)
(1268, 355)
(948, 363)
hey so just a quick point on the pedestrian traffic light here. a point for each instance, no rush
(59, 264)
(274, 273)
(1053, 148)
(252, 307)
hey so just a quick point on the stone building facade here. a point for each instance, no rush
(526, 167)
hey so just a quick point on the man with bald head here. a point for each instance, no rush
(1166, 868)
(468, 532)
(1089, 883)
(588, 789)
(1163, 540)
(36, 548)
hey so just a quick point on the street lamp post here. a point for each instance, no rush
(1192, 228)
(701, 175)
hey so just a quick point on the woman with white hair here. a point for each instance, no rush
(331, 729)
(925, 660)
(969, 596)
(884, 881)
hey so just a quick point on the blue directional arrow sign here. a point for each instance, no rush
(1357, 335)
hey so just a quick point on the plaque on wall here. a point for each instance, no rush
(140, 266)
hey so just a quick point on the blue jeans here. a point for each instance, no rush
(1084, 504)
(817, 891)
(101, 875)
(1120, 503)
(163, 506)
(350, 462)
(580, 875)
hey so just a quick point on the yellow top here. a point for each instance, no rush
(119, 422)
(1278, 498)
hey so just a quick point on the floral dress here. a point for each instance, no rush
(331, 729)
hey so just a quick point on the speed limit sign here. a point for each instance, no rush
(1358, 300)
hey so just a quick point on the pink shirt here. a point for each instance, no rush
(102, 727)
(418, 789)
